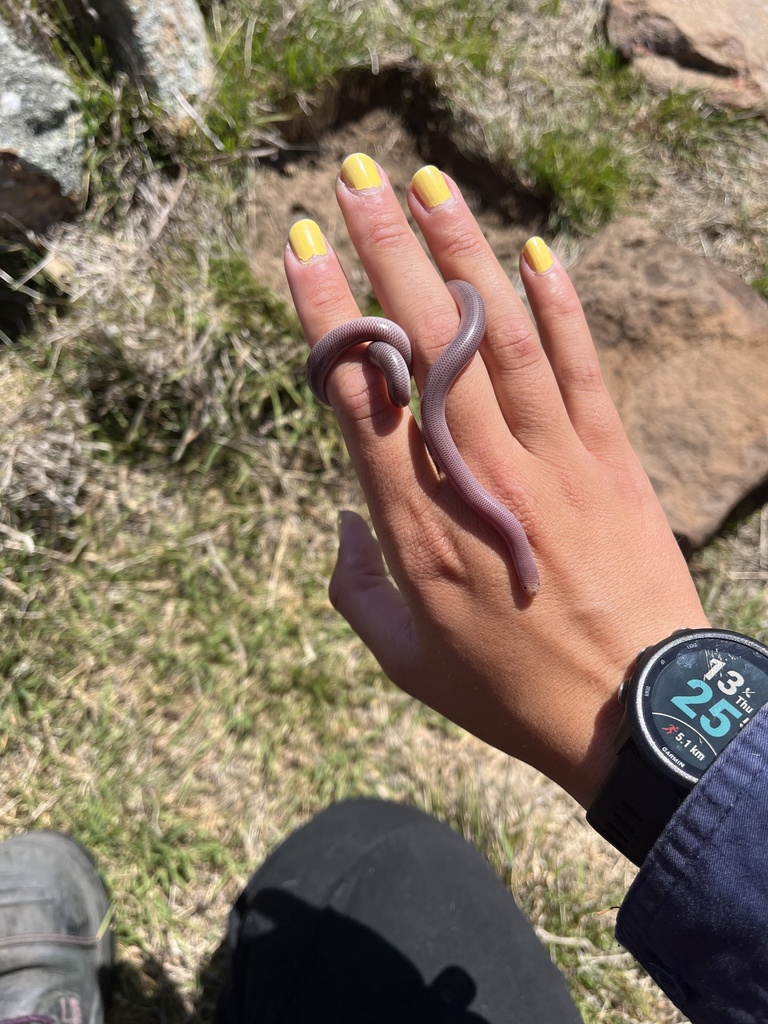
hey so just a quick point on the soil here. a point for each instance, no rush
(304, 187)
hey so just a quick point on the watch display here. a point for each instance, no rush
(694, 698)
(686, 699)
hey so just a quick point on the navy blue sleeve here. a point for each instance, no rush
(696, 916)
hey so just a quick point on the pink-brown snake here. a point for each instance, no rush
(390, 350)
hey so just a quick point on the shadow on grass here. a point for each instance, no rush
(145, 994)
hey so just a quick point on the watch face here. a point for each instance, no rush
(697, 694)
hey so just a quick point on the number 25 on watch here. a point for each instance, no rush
(721, 714)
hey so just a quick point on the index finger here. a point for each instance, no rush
(384, 442)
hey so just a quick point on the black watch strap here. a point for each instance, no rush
(634, 805)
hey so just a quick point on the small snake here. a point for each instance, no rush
(390, 350)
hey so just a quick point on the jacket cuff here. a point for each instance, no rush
(696, 916)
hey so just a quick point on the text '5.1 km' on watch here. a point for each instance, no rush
(686, 699)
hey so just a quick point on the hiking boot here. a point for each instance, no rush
(55, 944)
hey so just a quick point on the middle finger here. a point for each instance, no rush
(513, 382)
(525, 386)
(412, 292)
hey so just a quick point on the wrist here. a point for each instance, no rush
(688, 698)
(594, 750)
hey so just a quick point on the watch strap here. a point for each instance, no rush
(634, 805)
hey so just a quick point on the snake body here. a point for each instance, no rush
(390, 350)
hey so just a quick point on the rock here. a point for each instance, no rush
(162, 43)
(682, 344)
(711, 46)
(41, 141)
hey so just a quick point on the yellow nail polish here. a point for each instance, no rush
(430, 186)
(360, 172)
(307, 240)
(537, 255)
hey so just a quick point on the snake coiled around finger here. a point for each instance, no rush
(390, 349)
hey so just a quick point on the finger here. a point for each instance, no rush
(323, 299)
(407, 285)
(377, 435)
(567, 340)
(413, 293)
(363, 593)
(421, 521)
(518, 367)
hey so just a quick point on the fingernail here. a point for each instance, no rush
(430, 186)
(537, 255)
(360, 172)
(307, 240)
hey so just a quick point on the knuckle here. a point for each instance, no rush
(573, 491)
(329, 306)
(564, 304)
(582, 374)
(354, 387)
(439, 559)
(439, 328)
(435, 558)
(390, 233)
(636, 491)
(463, 246)
(516, 341)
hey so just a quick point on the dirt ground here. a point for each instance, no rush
(304, 187)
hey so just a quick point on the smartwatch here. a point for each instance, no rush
(686, 699)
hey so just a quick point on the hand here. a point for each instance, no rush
(537, 678)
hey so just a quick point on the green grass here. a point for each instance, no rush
(585, 180)
(612, 80)
(447, 34)
(279, 51)
(163, 661)
(177, 692)
(691, 130)
(579, 935)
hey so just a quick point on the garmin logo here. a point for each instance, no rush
(671, 756)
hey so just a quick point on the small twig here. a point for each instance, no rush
(23, 539)
(166, 212)
(40, 265)
(249, 44)
(19, 286)
(240, 154)
(226, 575)
(188, 109)
(12, 588)
(277, 563)
(571, 941)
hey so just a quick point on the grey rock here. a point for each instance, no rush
(716, 47)
(683, 348)
(41, 140)
(162, 43)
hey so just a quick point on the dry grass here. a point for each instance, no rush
(45, 453)
(176, 691)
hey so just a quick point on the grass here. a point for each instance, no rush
(291, 50)
(585, 180)
(184, 665)
(177, 693)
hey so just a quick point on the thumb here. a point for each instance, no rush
(363, 593)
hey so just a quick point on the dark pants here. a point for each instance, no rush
(375, 912)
